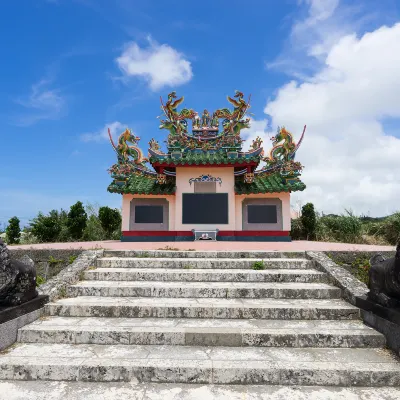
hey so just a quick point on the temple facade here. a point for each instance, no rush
(205, 186)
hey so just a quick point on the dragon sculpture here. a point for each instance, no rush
(124, 150)
(283, 152)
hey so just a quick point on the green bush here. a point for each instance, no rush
(77, 220)
(47, 227)
(341, 228)
(258, 265)
(297, 230)
(13, 231)
(390, 228)
(110, 220)
(93, 231)
(309, 221)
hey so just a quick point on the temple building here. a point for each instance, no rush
(205, 186)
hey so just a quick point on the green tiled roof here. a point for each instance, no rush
(204, 159)
(137, 184)
(268, 184)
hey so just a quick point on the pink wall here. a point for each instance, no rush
(183, 174)
(126, 207)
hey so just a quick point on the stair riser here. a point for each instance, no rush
(201, 263)
(200, 372)
(203, 254)
(221, 293)
(201, 312)
(211, 338)
(211, 277)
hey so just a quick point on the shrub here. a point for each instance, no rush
(110, 220)
(309, 221)
(297, 230)
(258, 265)
(343, 228)
(77, 220)
(390, 228)
(93, 231)
(13, 231)
(47, 227)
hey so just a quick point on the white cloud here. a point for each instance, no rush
(159, 65)
(349, 160)
(43, 103)
(116, 128)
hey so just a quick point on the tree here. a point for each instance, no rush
(309, 221)
(110, 219)
(77, 220)
(46, 227)
(13, 231)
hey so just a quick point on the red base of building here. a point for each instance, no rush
(187, 236)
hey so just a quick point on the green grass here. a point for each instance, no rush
(258, 265)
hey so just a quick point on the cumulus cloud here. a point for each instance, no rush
(116, 128)
(349, 159)
(159, 65)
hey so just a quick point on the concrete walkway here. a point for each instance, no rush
(300, 245)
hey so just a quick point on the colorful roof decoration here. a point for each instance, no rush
(213, 139)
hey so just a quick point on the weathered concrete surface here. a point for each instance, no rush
(226, 290)
(201, 332)
(206, 275)
(350, 285)
(57, 286)
(202, 263)
(9, 329)
(142, 307)
(39, 390)
(300, 245)
(196, 364)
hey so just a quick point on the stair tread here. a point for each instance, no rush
(123, 324)
(197, 259)
(211, 271)
(196, 302)
(58, 353)
(207, 285)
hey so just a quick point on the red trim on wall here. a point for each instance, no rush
(220, 233)
(157, 233)
(253, 233)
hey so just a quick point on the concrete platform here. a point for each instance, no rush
(209, 245)
(40, 390)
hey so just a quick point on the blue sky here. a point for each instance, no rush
(70, 68)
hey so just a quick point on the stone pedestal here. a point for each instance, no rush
(383, 319)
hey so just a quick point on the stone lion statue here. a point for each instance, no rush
(384, 280)
(17, 280)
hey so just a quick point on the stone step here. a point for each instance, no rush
(203, 263)
(197, 364)
(158, 307)
(201, 332)
(46, 390)
(227, 290)
(163, 253)
(206, 275)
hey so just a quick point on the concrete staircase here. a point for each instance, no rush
(195, 317)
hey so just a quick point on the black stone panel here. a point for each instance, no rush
(149, 214)
(205, 208)
(9, 313)
(262, 214)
